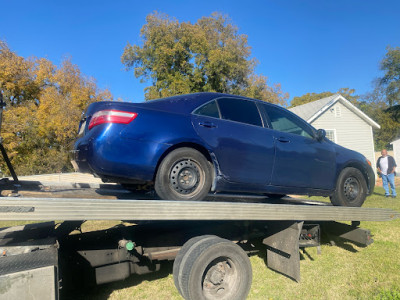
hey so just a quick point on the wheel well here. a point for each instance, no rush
(358, 167)
(198, 147)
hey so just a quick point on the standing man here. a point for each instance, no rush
(386, 167)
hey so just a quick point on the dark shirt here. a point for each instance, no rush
(391, 164)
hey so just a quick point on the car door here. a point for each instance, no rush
(233, 129)
(300, 159)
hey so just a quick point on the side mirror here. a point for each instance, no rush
(321, 133)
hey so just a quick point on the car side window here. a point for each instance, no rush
(283, 121)
(239, 110)
(209, 109)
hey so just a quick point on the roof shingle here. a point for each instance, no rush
(306, 111)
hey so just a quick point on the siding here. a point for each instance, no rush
(396, 154)
(351, 131)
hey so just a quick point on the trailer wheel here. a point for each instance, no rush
(184, 174)
(351, 188)
(215, 268)
(182, 253)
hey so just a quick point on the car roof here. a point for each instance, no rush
(182, 103)
(185, 104)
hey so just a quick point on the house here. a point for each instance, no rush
(344, 123)
(396, 153)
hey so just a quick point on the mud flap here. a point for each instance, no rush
(283, 248)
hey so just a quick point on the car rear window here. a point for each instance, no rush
(239, 110)
(210, 110)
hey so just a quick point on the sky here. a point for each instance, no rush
(305, 45)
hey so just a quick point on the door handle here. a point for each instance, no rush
(207, 124)
(283, 140)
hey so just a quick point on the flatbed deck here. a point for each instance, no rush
(70, 209)
(37, 201)
(171, 230)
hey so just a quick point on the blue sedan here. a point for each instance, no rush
(191, 145)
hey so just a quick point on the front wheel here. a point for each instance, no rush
(351, 188)
(184, 174)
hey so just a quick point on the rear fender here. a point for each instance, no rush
(211, 157)
(217, 172)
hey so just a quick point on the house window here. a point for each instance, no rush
(338, 112)
(331, 135)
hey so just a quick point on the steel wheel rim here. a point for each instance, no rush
(351, 188)
(220, 279)
(186, 177)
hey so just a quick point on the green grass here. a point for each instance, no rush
(352, 273)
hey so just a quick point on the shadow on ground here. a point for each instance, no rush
(103, 292)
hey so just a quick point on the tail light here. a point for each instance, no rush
(111, 116)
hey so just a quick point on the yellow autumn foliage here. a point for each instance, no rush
(44, 105)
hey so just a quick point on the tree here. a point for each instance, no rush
(16, 80)
(45, 104)
(310, 97)
(374, 104)
(207, 56)
(390, 128)
(258, 88)
(390, 82)
(383, 103)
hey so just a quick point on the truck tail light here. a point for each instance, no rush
(111, 116)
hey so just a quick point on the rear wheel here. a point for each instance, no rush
(351, 188)
(184, 174)
(186, 248)
(215, 268)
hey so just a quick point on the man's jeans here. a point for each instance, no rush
(388, 178)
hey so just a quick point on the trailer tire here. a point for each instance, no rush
(182, 253)
(184, 174)
(215, 268)
(351, 188)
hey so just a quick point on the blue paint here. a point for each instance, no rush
(246, 158)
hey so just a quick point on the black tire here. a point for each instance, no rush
(351, 188)
(215, 269)
(276, 196)
(192, 169)
(182, 253)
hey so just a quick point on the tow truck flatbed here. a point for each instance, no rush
(163, 230)
(70, 209)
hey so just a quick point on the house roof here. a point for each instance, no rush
(312, 110)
